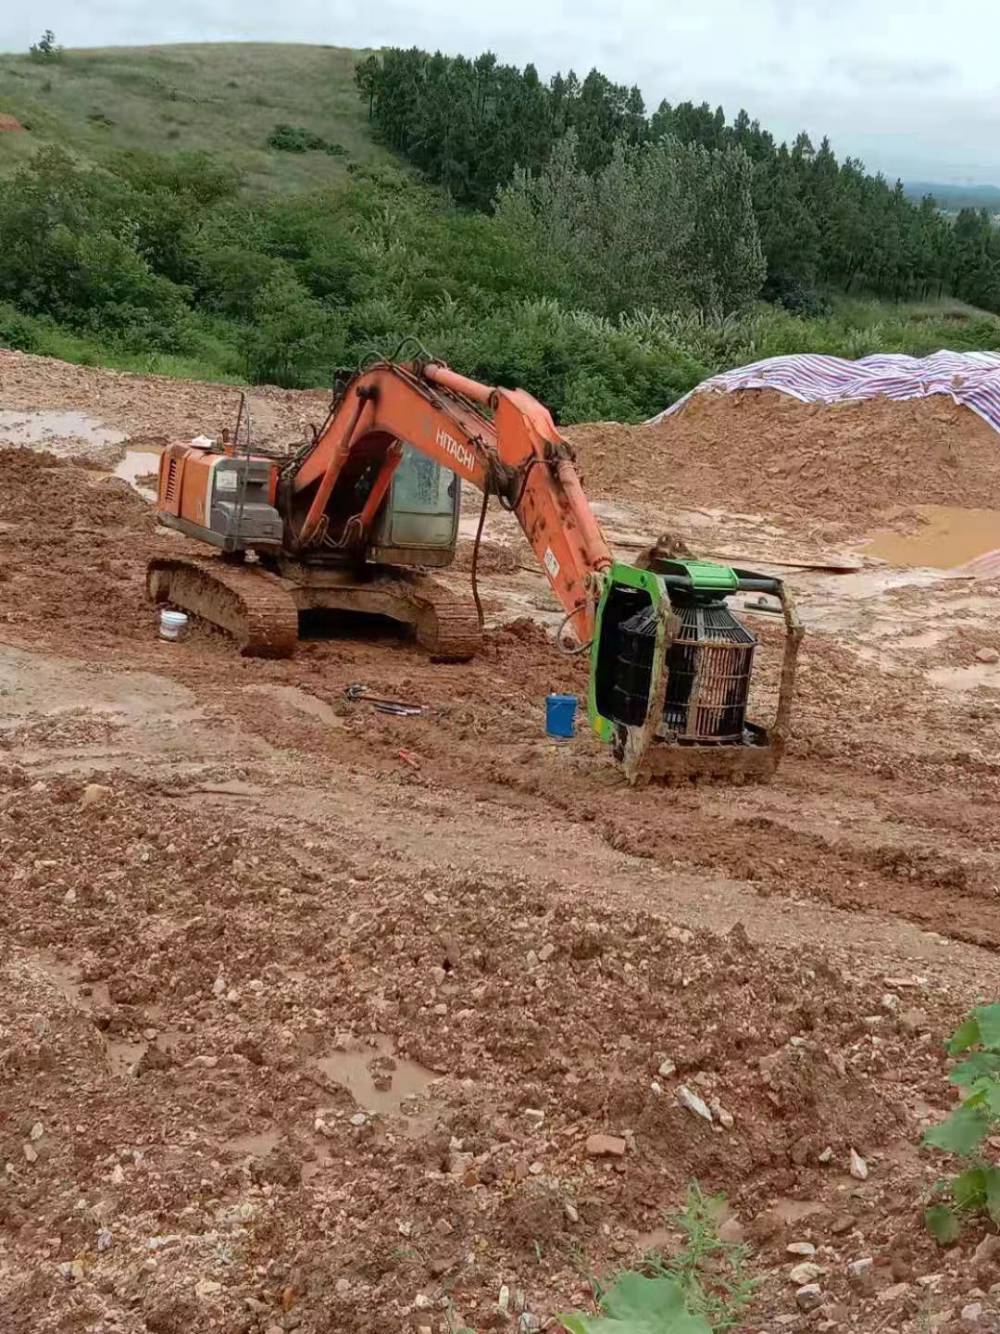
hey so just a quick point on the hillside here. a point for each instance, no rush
(605, 290)
(221, 98)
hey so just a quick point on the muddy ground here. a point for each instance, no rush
(308, 1013)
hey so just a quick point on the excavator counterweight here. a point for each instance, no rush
(356, 519)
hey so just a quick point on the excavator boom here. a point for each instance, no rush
(503, 441)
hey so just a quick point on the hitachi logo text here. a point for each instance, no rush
(460, 453)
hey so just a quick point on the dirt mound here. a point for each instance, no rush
(10, 124)
(73, 546)
(154, 409)
(60, 497)
(762, 451)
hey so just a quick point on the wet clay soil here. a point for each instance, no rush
(308, 1012)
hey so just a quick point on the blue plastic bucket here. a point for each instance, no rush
(560, 715)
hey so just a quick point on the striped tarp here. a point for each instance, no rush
(969, 378)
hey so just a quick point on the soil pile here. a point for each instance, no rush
(155, 409)
(762, 451)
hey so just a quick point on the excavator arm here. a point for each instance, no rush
(503, 441)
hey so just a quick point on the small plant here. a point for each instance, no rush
(702, 1289)
(45, 48)
(975, 1189)
(636, 1304)
(297, 139)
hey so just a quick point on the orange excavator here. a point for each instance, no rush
(358, 518)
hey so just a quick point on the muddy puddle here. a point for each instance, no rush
(139, 467)
(945, 538)
(62, 433)
(382, 1083)
(94, 996)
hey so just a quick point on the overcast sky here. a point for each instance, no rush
(910, 86)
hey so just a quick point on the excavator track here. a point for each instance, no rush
(444, 623)
(448, 627)
(255, 607)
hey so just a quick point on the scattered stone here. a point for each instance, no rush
(571, 1212)
(987, 655)
(913, 1021)
(666, 1069)
(104, 1239)
(72, 1270)
(807, 1272)
(503, 1299)
(607, 1146)
(94, 794)
(422, 1302)
(859, 1168)
(841, 1224)
(724, 1118)
(37, 1131)
(731, 1229)
(826, 1156)
(536, 1169)
(987, 1250)
(546, 952)
(800, 1248)
(30, 1152)
(342, 1287)
(656, 1089)
(693, 1103)
(529, 1323)
(809, 1296)
(69, 898)
(219, 987)
(535, 1114)
(459, 1163)
(972, 1314)
(358, 1119)
(894, 1294)
(207, 1287)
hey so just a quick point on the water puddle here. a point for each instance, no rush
(140, 467)
(946, 537)
(62, 433)
(90, 996)
(381, 1083)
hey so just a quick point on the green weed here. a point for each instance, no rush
(703, 1288)
(975, 1188)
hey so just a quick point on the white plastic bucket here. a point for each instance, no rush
(172, 624)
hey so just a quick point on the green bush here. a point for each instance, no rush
(297, 139)
(17, 330)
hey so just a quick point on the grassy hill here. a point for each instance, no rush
(150, 264)
(224, 98)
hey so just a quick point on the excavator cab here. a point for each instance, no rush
(418, 523)
(670, 673)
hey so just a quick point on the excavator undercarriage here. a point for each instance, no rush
(260, 607)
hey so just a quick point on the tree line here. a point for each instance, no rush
(477, 126)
